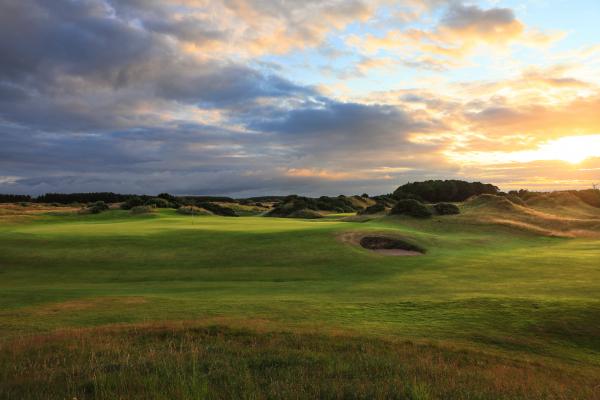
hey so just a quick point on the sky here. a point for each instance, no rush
(315, 97)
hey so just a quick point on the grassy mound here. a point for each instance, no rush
(491, 202)
(545, 214)
(557, 200)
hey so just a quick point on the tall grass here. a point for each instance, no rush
(195, 362)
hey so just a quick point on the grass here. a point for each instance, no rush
(489, 311)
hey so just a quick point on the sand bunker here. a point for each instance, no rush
(382, 244)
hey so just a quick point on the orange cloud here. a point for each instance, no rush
(460, 33)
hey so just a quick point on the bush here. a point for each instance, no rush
(158, 203)
(137, 210)
(411, 207)
(169, 197)
(444, 191)
(218, 210)
(131, 202)
(446, 209)
(97, 207)
(191, 210)
(305, 214)
(374, 209)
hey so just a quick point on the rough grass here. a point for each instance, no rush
(212, 362)
(554, 214)
(507, 313)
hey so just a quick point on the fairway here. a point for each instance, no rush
(492, 290)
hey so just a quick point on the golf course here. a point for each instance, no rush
(163, 305)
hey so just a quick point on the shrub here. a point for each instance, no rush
(158, 203)
(374, 209)
(97, 207)
(133, 201)
(411, 207)
(191, 210)
(137, 210)
(446, 209)
(448, 190)
(169, 197)
(218, 210)
(305, 214)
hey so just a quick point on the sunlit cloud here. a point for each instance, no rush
(572, 149)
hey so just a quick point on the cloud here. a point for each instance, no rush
(460, 32)
(196, 96)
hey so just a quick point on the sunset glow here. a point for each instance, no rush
(571, 149)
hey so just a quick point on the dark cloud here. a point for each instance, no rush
(223, 85)
(460, 16)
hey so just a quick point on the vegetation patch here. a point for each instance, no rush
(192, 210)
(217, 362)
(374, 209)
(412, 208)
(444, 191)
(95, 208)
(446, 209)
(305, 214)
(389, 243)
(218, 209)
(139, 210)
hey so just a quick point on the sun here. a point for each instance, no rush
(572, 149)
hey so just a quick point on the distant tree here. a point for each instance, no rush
(64, 198)
(14, 198)
(169, 197)
(435, 191)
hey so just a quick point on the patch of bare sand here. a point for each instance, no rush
(397, 252)
(354, 238)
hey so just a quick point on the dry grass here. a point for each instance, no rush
(11, 213)
(179, 361)
(555, 216)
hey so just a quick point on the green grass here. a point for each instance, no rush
(494, 292)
